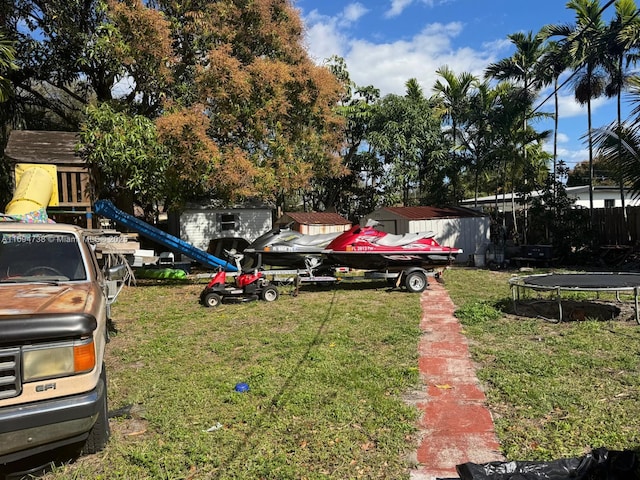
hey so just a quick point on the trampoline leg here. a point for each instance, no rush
(635, 294)
(559, 298)
(513, 298)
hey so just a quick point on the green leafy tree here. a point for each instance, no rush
(235, 70)
(356, 192)
(126, 158)
(623, 163)
(554, 219)
(7, 63)
(406, 133)
(478, 139)
(71, 54)
(604, 172)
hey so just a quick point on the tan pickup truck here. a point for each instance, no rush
(53, 329)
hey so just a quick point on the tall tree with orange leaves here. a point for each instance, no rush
(235, 98)
(270, 110)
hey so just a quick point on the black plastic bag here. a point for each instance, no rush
(600, 464)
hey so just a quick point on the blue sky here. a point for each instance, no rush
(387, 42)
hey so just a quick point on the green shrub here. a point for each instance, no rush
(477, 313)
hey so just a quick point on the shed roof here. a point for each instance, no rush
(427, 213)
(45, 147)
(315, 218)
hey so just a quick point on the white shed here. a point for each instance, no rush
(199, 225)
(453, 226)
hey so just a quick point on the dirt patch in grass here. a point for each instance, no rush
(574, 310)
(128, 422)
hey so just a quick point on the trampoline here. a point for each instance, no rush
(578, 282)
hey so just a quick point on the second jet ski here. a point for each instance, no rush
(284, 247)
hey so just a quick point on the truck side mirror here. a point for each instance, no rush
(117, 273)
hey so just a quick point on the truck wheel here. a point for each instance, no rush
(269, 294)
(99, 433)
(415, 282)
(212, 300)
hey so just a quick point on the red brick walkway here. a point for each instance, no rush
(455, 426)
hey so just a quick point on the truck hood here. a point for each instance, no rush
(19, 298)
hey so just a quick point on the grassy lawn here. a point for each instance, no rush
(327, 372)
(555, 390)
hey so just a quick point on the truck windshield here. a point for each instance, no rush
(41, 256)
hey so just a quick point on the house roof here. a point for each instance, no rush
(427, 213)
(315, 218)
(575, 191)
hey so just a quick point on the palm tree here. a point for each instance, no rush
(585, 42)
(477, 139)
(454, 94)
(618, 48)
(627, 136)
(523, 68)
(554, 61)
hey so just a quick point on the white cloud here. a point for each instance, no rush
(353, 12)
(327, 36)
(324, 39)
(572, 157)
(389, 65)
(397, 7)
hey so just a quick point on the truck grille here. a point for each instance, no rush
(10, 384)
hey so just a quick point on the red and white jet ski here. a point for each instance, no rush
(367, 248)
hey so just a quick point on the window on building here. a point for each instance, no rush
(609, 203)
(227, 221)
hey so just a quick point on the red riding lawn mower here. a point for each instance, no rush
(249, 286)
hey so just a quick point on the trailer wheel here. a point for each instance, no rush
(212, 299)
(269, 294)
(415, 282)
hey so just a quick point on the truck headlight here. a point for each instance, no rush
(58, 359)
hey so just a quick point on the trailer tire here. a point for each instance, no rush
(415, 282)
(269, 294)
(212, 299)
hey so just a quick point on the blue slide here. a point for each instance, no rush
(109, 210)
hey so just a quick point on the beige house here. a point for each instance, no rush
(314, 223)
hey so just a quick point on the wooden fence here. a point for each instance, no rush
(609, 226)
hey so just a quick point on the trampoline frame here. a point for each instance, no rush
(518, 284)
